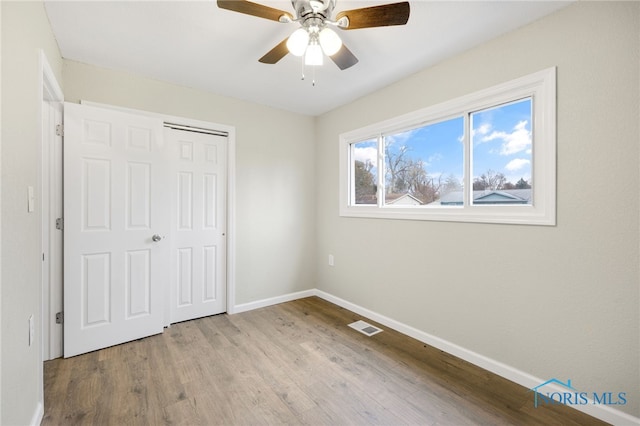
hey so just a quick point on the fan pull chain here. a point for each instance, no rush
(313, 73)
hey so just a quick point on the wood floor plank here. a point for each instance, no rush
(293, 363)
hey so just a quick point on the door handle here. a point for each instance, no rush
(156, 238)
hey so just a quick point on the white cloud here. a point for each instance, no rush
(482, 129)
(401, 137)
(516, 141)
(369, 153)
(517, 164)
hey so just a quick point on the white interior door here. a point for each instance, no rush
(115, 197)
(198, 224)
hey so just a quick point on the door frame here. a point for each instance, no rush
(50, 98)
(231, 184)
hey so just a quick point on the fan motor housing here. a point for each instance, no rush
(323, 8)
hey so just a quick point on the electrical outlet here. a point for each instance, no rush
(32, 330)
(331, 262)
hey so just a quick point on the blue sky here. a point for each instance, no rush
(501, 140)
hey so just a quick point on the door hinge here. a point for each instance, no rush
(60, 223)
(59, 130)
(60, 318)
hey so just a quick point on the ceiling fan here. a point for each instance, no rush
(315, 35)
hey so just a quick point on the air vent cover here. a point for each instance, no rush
(365, 328)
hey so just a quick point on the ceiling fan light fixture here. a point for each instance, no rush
(298, 42)
(314, 16)
(313, 56)
(329, 41)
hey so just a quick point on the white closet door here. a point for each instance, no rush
(198, 224)
(115, 201)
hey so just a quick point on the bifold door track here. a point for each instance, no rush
(365, 328)
(195, 129)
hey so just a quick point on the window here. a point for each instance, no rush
(485, 157)
(501, 151)
(424, 164)
(365, 172)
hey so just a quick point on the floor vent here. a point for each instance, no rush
(365, 328)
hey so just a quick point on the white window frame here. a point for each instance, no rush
(540, 86)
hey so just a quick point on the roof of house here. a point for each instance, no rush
(455, 198)
(401, 199)
(502, 196)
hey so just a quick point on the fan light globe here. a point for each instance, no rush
(330, 41)
(298, 41)
(313, 55)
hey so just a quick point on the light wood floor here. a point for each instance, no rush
(293, 363)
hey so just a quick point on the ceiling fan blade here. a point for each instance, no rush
(275, 54)
(344, 58)
(254, 9)
(376, 16)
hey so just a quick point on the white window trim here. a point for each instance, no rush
(541, 86)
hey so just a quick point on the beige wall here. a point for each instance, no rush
(557, 301)
(25, 28)
(275, 173)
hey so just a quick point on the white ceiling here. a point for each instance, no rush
(198, 45)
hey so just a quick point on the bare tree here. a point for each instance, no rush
(412, 176)
(396, 165)
(490, 180)
(365, 182)
(429, 190)
(451, 184)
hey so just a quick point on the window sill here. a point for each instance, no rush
(514, 215)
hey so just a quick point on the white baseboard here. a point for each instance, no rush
(602, 412)
(272, 301)
(38, 414)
